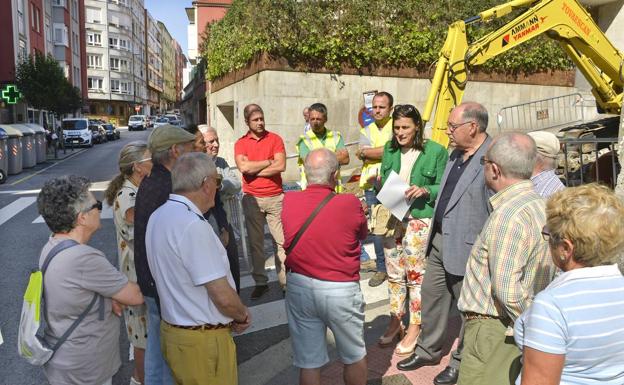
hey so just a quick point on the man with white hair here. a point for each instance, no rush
(509, 264)
(322, 235)
(198, 302)
(544, 179)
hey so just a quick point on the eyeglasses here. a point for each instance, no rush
(96, 205)
(485, 160)
(454, 126)
(143, 160)
(218, 180)
(545, 234)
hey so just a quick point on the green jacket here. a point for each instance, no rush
(427, 172)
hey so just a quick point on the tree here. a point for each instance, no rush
(42, 81)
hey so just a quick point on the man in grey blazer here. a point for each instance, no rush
(461, 210)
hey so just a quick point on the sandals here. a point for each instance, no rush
(402, 351)
(386, 341)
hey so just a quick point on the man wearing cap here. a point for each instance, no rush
(166, 143)
(545, 181)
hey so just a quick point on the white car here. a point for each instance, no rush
(161, 122)
(137, 122)
(76, 132)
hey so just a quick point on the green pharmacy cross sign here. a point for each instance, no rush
(11, 94)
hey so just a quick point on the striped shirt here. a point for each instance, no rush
(510, 261)
(580, 315)
(546, 183)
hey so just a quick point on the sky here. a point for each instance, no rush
(172, 14)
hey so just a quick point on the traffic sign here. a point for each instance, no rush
(137, 108)
(11, 94)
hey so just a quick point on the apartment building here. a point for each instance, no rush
(180, 61)
(115, 42)
(153, 65)
(53, 27)
(168, 96)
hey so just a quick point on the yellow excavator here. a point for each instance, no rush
(565, 21)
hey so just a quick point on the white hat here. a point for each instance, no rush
(547, 143)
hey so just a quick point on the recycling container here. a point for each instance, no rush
(41, 143)
(4, 156)
(29, 153)
(14, 149)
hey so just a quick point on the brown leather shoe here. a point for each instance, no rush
(377, 279)
(259, 291)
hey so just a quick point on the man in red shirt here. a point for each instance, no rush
(261, 158)
(323, 273)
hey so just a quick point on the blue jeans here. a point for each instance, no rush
(371, 199)
(157, 371)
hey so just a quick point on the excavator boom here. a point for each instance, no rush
(565, 21)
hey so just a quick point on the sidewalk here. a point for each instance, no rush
(273, 366)
(62, 154)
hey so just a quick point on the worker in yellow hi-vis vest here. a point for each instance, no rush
(320, 137)
(372, 141)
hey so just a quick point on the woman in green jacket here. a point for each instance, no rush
(420, 163)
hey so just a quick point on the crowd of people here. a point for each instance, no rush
(532, 266)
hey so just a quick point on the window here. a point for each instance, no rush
(23, 53)
(94, 38)
(61, 36)
(77, 77)
(58, 3)
(94, 61)
(118, 64)
(37, 20)
(95, 83)
(114, 42)
(48, 34)
(74, 9)
(20, 17)
(120, 87)
(94, 15)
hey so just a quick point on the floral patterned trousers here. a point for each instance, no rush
(406, 261)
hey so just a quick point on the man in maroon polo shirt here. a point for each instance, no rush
(323, 273)
(261, 158)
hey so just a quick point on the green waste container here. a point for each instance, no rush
(14, 149)
(29, 152)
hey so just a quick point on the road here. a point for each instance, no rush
(263, 351)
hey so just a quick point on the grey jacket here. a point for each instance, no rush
(466, 212)
(231, 184)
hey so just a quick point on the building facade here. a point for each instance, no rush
(168, 96)
(114, 45)
(49, 27)
(180, 66)
(153, 65)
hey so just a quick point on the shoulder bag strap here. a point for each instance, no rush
(66, 244)
(309, 220)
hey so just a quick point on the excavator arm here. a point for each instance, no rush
(565, 21)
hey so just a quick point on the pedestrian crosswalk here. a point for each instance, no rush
(265, 315)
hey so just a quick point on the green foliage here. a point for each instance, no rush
(361, 34)
(41, 80)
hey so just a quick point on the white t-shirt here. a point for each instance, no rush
(184, 253)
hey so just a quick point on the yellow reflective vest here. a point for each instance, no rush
(332, 139)
(377, 138)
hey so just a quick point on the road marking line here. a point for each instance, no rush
(267, 315)
(12, 209)
(44, 169)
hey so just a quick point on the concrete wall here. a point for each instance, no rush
(283, 95)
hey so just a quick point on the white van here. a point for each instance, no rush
(137, 122)
(76, 132)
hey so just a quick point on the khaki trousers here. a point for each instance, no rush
(489, 356)
(257, 211)
(199, 357)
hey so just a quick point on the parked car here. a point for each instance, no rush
(137, 122)
(161, 122)
(98, 133)
(174, 119)
(112, 132)
(76, 132)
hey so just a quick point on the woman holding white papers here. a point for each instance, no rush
(420, 164)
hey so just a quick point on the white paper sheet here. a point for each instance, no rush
(392, 195)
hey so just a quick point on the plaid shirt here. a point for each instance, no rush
(510, 261)
(546, 183)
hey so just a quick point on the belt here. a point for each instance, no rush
(470, 316)
(201, 327)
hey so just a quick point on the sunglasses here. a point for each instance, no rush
(96, 205)
(143, 160)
